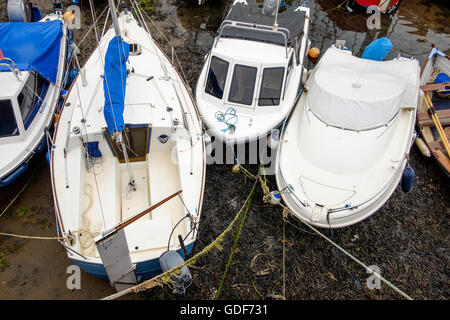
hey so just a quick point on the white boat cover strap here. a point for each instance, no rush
(359, 94)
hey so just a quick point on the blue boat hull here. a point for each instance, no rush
(144, 270)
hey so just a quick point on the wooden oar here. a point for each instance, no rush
(437, 123)
(137, 216)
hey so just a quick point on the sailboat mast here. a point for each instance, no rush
(115, 21)
(118, 137)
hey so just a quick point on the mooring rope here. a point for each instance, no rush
(370, 271)
(164, 278)
(233, 248)
(30, 237)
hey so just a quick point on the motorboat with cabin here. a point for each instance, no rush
(252, 75)
(33, 64)
(128, 160)
(344, 149)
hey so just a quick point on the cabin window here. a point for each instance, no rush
(217, 77)
(272, 82)
(8, 124)
(135, 49)
(31, 97)
(243, 84)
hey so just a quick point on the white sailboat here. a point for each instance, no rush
(346, 144)
(33, 58)
(129, 137)
(251, 78)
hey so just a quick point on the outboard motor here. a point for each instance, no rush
(270, 7)
(19, 11)
(169, 260)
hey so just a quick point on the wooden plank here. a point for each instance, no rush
(444, 86)
(443, 115)
(443, 159)
(438, 144)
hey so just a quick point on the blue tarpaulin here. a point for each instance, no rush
(114, 83)
(32, 46)
(378, 49)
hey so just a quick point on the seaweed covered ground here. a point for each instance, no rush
(408, 238)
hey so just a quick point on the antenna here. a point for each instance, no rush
(275, 24)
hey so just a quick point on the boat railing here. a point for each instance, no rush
(12, 66)
(255, 27)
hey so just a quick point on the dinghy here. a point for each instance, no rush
(435, 82)
(128, 161)
(251, 78)
(32, 74)
(344, 149)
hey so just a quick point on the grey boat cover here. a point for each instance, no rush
(289, 19)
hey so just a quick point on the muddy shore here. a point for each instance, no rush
(408, 238)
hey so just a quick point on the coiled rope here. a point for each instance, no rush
(229, 118)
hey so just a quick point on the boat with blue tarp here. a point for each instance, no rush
(32, 73)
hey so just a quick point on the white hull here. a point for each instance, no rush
(253, 120)
(90, 201)
(18, 150)
(333, 177)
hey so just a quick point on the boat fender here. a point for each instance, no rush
(378, 49)
(36, 14)
(407, 180)
(71, 76)
(273, 140)
(208, 144)
(422, 146)
(19, 11)
(171, 259)
(314, 52)
(275, 197)
(236, 169)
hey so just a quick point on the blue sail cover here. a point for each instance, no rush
(32, 46)
(114, 83)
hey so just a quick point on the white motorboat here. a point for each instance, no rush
(251, 78)
(346, 144)
(33, 62)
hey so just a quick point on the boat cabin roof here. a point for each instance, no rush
(246, 21)
(11, 86)
(250, 51)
